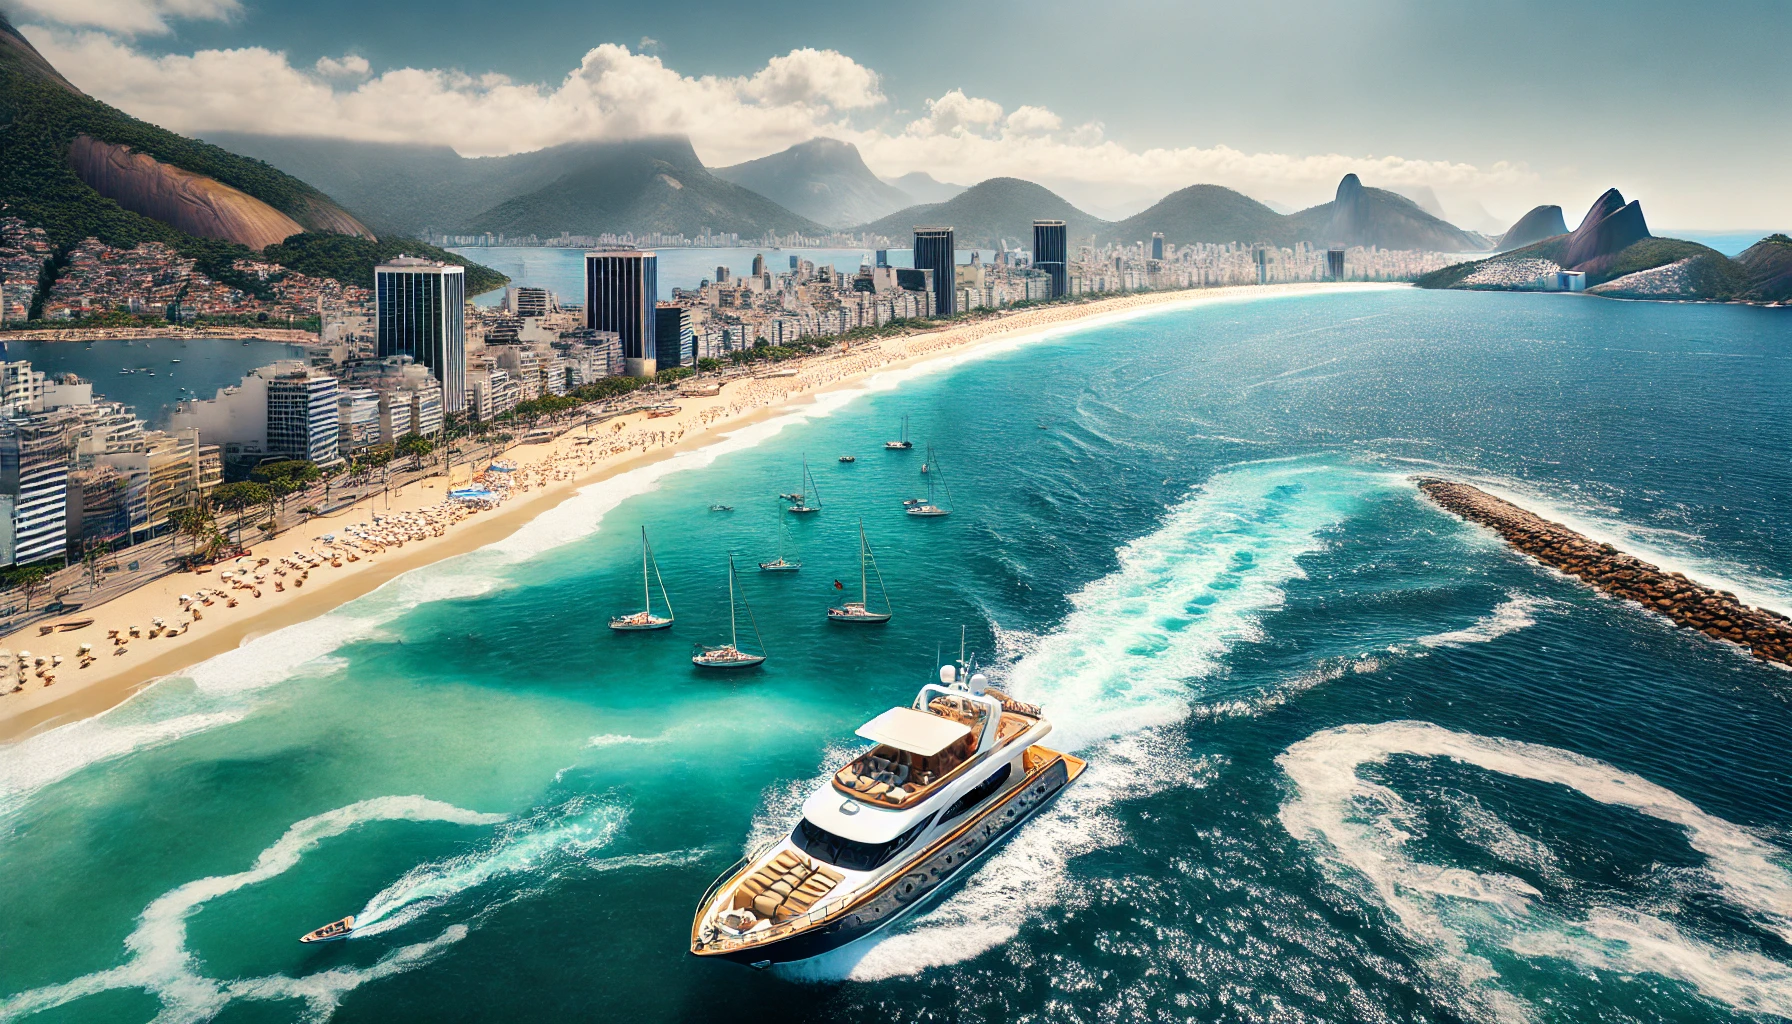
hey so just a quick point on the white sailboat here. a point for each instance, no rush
(644, 619)
(904, 444)
(860, 610)
(927, 509)
(730, 655)
(802, 506)
(782, 564)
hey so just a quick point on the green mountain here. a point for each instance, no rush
(1205, 213)
(1768, 265)
(824, 180)
(1542, 222)
(79, 168)
(587, 188)
(986, 214)
(1359, 215)
(923, 187)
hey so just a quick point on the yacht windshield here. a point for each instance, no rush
(850, 854)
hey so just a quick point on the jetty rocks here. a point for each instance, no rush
(1716, 613)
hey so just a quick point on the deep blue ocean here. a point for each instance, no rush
(1350, 758)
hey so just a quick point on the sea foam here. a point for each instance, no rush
(1360, 830)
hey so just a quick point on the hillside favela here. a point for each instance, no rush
(1138, 513)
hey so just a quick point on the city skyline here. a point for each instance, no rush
(1277, 104)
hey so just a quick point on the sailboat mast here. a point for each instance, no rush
(864, 594)
(733, 630)
(646, 595)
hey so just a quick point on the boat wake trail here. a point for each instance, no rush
(539, 846)
(1465, 920)
(160, 963)
(1138, 648)
(1516, 612)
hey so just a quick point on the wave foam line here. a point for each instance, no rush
(1360, 830)
(160, 963)
(1516, 612)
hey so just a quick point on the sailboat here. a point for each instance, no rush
(782, 564)
(860, 610)
(645, 619)
(904, 444)
(730, 655)
(927, 509)
(802, 506)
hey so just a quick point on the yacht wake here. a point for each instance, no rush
(1137, 649)
(1464, 918)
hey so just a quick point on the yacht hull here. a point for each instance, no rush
(641, 627)
(945, 861)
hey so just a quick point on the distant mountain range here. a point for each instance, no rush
(1542, 222)
(921, 186)
(1613, 247)
(1004, 208)
(824, 180)
(586, 188)
(78, 169)
(987, 214)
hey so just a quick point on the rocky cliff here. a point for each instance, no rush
(1542, 222)
(185, 201)
(1610, 227)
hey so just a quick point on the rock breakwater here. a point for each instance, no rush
(1716, 613)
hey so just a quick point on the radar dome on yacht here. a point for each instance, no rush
(948, 674)
(979, 682)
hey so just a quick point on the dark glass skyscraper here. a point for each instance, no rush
(1051, 253)
(420, 310)
(1157, 245)
(621, 290)
(934, 251)
(675, 341)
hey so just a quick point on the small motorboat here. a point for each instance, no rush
(791, 497)
(780, 565)
(721, 508)
(848, 458)
(911, 502)
(331, 932)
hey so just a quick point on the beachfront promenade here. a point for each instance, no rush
(356, 544)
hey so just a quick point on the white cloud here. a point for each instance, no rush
(617, 93)
(132, 17)
(1031, 120)
(349, 66)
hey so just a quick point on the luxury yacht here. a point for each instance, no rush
(947, 779)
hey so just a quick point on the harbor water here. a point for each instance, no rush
(1351, 759)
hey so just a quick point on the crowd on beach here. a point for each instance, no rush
(568, 459)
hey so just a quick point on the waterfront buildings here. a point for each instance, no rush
(1051, 253)
(934, 251)
(33, 491)
(420, 312)
(674, 339)
(525, 301)
(303, 418)
(621, 291)
(1334, 263)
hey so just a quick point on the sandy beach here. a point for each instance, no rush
(314, 568)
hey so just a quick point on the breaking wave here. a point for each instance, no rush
(1509, 616)
(1361, 830)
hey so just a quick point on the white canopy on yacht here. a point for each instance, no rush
(914, 731)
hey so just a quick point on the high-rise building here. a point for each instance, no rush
(1157, 246)
(1051, 245)
(526, 301)
(759, 265)
(675, 340)
(357, 419)
(1334, 263)
(621, 289)
(33, 491)
(934, 251)
(303, 421)
(420, 311)
(883, 258)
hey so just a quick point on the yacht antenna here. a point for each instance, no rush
(961, 645)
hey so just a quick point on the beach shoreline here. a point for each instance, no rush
(560, 471)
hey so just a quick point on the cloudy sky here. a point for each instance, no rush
(1495, 107)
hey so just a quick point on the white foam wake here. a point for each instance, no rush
(1139, 646)
(160, 963)
(1516, 612)
(1361, 830)
(534, 845)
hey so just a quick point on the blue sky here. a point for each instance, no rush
(1501, 105)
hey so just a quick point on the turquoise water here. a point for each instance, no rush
(1350, 758)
